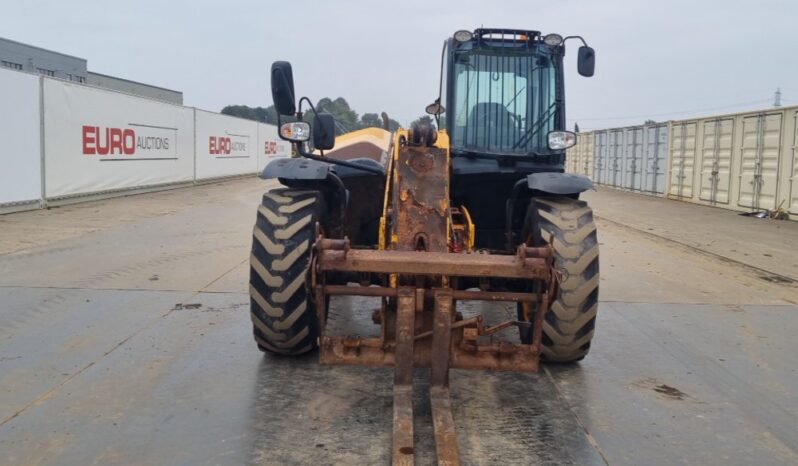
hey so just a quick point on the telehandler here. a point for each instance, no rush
(478, 208)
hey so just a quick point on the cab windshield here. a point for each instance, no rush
(504, 101)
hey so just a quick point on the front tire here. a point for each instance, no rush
(569, 325)
(283, 315)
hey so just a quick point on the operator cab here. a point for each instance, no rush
(501, 93)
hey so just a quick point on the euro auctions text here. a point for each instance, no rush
(152, 141)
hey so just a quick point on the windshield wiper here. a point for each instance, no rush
(521, 90)
(536, 127)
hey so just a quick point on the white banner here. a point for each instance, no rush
(20, 150)
(98, 140)
(270, 145)
(225, 145)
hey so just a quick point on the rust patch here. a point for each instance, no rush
(421, 162)
(422, 205)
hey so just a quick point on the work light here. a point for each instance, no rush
(463, 36)
(297, 131)
(559, 140)
(552, 39)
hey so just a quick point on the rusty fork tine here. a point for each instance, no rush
(443, 423)
(403, 426)
(445, 435)
(403, 379)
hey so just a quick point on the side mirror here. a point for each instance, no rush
(435, 108)
(283, 88)
(323, 131)
(586, 63)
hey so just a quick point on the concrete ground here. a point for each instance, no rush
(125, 339)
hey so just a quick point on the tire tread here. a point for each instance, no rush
(283, 316)
(568, 329)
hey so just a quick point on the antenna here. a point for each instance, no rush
(777, 97)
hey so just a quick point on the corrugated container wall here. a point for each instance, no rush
(586, 164)
(615, 157)
(573, 156)
(682, 163)
(743, 161)
(579, 159)
(600, 156)
(790, 182)
(632, 158)
(655, 158)
(632, 168)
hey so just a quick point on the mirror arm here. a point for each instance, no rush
(312, 107)
(310, 104)
(575, 37)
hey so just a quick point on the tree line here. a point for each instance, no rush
(345, 117)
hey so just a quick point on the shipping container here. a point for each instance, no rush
(656, 158)
(746, 161)
(586, 167)
(742, 161)
(790, 182)
(759, 160)
(573, 156)
(632, 174)
(580, 157)
(600, 157)
(682, 163)
(632, 158)
(615, 152)
(570, 156)
(715, 147)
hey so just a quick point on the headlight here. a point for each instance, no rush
(552, 39)
(559, 140)
(297, 131)
(463, 36)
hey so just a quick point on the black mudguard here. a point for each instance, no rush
(295, 169)
(306, 169)
(359, 220)
(559, 183)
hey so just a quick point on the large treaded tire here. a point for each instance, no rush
(283, 315)
(570, 323)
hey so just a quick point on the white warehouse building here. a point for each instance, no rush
(28, 58)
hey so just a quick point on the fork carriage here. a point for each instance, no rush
(466, 350)
(420, 326)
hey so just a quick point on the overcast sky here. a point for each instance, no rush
(661, 60)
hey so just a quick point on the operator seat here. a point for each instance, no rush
(490, 125)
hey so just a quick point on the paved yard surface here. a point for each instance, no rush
(125, 339)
